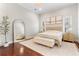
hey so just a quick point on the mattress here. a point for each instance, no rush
(51, 34)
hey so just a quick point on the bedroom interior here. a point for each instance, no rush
(38, 29)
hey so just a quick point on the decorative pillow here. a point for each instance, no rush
(19, 37)
(28, 37)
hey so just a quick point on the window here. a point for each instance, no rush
(54, 20)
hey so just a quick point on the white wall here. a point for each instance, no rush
(67, 11)
(78, 22)
(14, 11)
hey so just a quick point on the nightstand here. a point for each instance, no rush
(68, 36)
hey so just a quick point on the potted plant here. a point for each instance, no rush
(4, 28)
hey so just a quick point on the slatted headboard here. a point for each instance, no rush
(53, 23)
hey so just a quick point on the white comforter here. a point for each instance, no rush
(56, 35)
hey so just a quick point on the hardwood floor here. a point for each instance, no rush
(17, 50)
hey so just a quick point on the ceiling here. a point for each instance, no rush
(45, 7)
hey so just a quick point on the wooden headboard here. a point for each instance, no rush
(53, 23)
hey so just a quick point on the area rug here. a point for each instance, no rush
(67, 49)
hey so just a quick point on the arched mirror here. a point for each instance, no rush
(18, 30)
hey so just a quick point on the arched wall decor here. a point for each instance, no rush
(13, 23)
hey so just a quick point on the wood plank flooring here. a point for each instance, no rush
(17, 49)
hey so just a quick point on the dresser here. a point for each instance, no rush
(68, 36)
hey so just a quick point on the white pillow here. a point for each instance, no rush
(28, 37)
(19, 37)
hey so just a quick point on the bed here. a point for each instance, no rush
(53, 35)
(51, 32)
